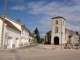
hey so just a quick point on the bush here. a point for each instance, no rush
(76, 44)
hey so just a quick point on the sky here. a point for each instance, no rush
(38, 13)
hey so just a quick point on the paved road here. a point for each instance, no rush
(37, 52)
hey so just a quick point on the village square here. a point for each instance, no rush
(56, 49)
(38, 52)
(28, 38)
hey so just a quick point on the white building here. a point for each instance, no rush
(11, 36)
(15, 34)
(1, 23)
(60, 34)
(24, 36)
(31, 38)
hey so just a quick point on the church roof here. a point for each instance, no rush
(58, 17)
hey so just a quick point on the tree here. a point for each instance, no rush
(41, 40)
(37, 35)
(77, 33)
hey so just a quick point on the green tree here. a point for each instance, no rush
(77, 33)
(41, 40)
(37, 35)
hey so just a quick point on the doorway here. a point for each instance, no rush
(9, 43)
(56, 40)
(17, 42)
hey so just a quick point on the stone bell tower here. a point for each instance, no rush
(58, 30)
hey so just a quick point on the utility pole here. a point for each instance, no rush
(2, 35)
(5, 8)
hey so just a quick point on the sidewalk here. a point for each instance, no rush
(25, 46)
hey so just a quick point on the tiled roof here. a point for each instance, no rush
(31, 34)
(9, 24)
(25, 28)
(28, 31)
(58, 17)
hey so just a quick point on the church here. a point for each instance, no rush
(60, 34)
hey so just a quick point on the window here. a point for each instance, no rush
(56, 21)
(63, 22)
(23, 32)
(17, 38)
(26, 33)
(50, 36)
(56, 29)
(9, 37)
(21, 37)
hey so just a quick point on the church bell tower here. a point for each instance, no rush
(58, 30)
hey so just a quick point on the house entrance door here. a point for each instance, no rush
(9, 43)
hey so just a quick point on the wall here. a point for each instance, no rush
(1, 23)
(74, 39)
(48, 37)
(24, 36)
(31, 39)
(12, 33)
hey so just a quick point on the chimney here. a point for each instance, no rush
(18, 20)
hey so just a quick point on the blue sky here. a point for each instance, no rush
(38, 13)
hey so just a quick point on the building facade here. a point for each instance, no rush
(60, 34)
(24, 36)
(11, 36)
(15, 34)
(1, 23)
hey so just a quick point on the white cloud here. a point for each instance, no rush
(76, 2)
(71, 12)
(17, 7)
(42, 7)
(51, 8)
(45, 22)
